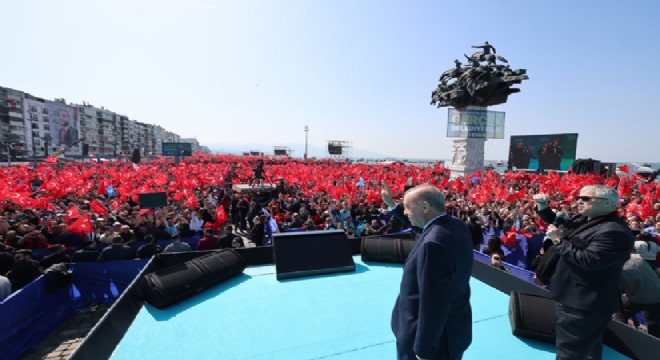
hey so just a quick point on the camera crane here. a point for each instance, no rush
(66, 148)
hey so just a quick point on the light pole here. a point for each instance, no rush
(306, 133)
(9, 146)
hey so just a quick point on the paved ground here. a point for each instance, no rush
(65, 339)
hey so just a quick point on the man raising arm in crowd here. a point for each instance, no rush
(595, 244)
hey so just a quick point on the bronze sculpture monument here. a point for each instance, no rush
(483, 82)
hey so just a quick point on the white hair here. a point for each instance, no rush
(604, 191)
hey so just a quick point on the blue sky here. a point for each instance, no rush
(258, 71)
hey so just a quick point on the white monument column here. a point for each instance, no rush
(467, 153)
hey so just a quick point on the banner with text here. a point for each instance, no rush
(475, 124)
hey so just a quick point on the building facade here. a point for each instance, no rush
(34, 127)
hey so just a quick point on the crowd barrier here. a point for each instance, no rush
(104, 282)
(192, 241)
(514, 270)
(523, 253)
(30, 314)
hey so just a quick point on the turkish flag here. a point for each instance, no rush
(82, 226)
(192, 202)
(26, 202)
(72, 213)
(646, 210)
(632, 207)
(220, 215)
(457, 185)
(97, 207)
(115, 204)
(53, 186)
(624, 168)
(509, 240)
(51, 160)
(478, 196)
(476, 174)
(516, 195)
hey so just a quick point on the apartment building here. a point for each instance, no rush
(34, 127)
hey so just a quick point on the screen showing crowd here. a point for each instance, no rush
(543, 152)
(177, 149)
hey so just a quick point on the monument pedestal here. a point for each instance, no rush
(468, 157)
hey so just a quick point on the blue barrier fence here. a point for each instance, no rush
(30, 314)
(516, 271)
(523, 253)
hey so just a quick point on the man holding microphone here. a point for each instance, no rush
(594, 245)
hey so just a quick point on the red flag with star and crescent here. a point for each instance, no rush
(72, 213)
(82, 226)
(220, 215)
(97, 207)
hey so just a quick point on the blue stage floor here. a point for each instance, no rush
(339, 317)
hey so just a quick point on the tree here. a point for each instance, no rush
(10, 140)
(136, 156)
(47, 140)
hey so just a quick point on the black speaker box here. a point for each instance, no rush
(532, 316)
(152, 200)
(310, 253)
(386, 249)
(165, 287)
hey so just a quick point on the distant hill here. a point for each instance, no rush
(298, 150)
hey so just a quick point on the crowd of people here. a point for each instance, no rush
(88, 211)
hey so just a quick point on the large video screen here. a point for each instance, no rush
(177, 149)
(544, 152)
(334, 149)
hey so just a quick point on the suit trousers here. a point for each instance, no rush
(580, 333)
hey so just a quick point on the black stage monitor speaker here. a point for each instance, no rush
(311, 253)
(386, 249)
(532, 316)
(152, 200)
(165, 287)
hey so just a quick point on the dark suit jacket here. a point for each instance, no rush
(591, 257)
(432, 317)
(116, 252)
(68, 136)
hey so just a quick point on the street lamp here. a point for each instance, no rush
(9, 146)
(306, 132)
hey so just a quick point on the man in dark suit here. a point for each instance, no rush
(595, 244)
(432, 317)
(225, 241)
(116, 251)
(68, 134)
(556, 153)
